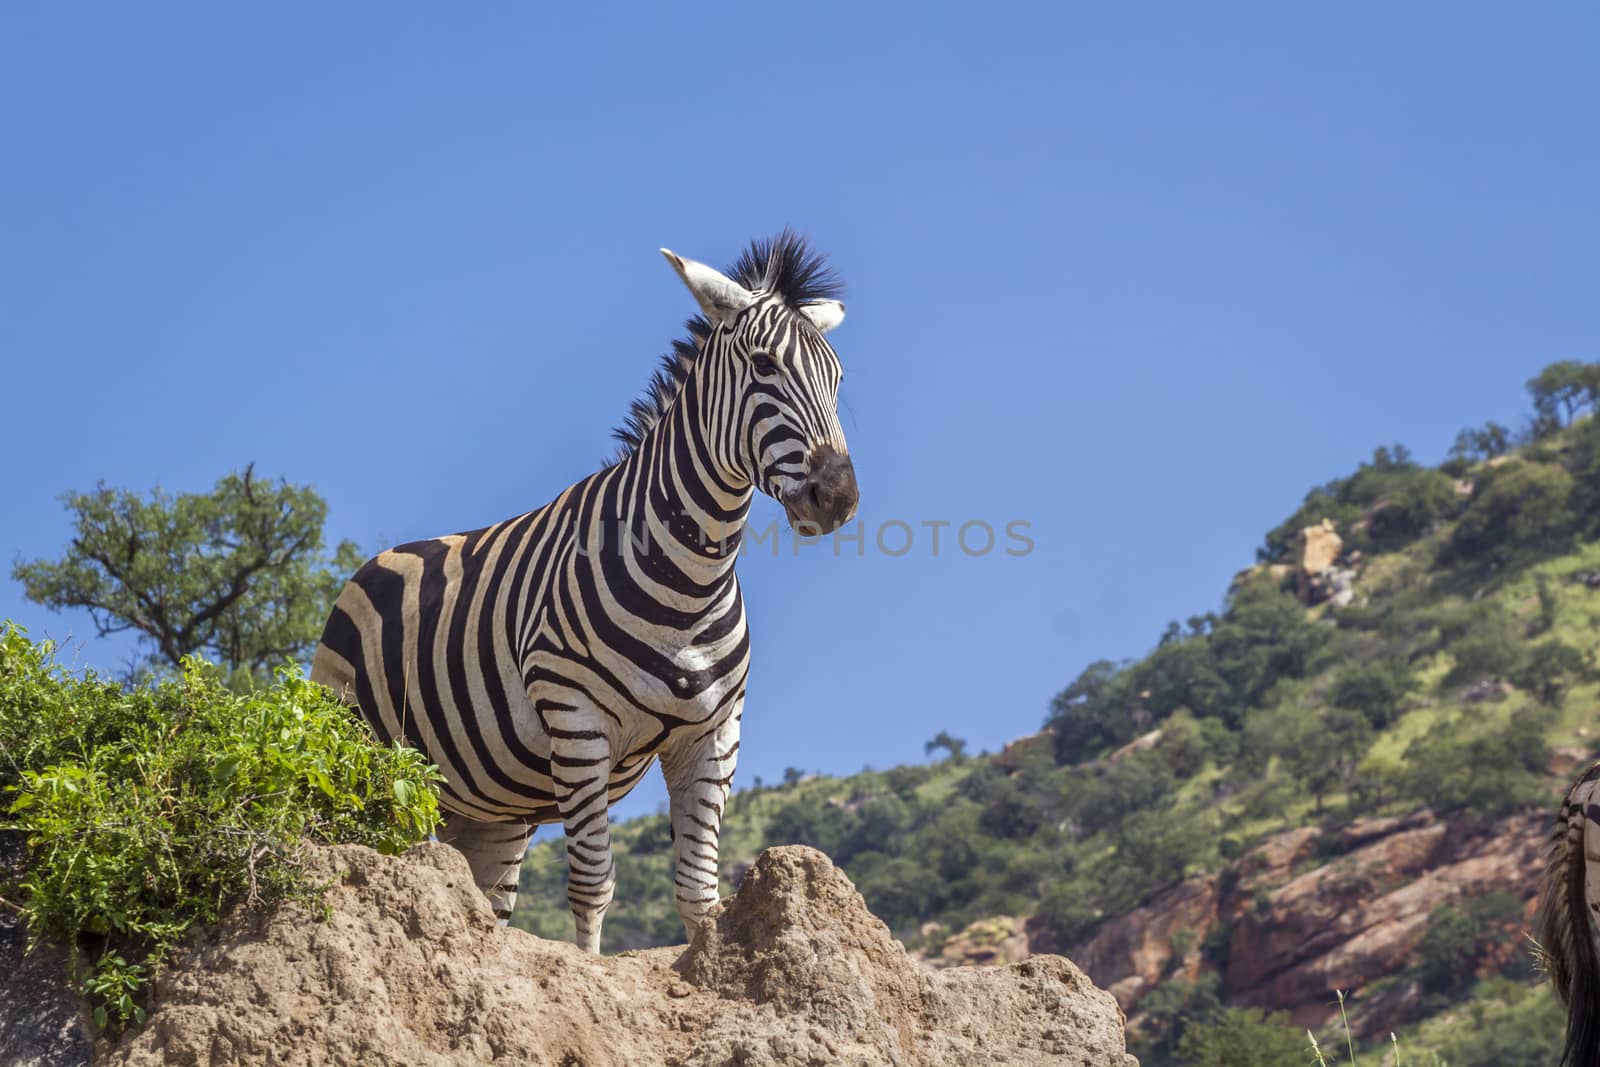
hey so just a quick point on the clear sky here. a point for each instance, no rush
(1136, 275)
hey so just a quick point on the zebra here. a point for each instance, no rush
(1568, 914)
(546, 662)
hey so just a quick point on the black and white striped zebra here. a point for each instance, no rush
(545, 662)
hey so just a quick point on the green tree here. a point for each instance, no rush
(238, 574)
(1455, 767)
(897, 889)
(1549, 669)
(955, 747)
(1100, 798)
(1170, 1010)
(1325, 748)
(1562, 391)
(1263, 637)
(811, 820)
(1377, 689)
(1344, 500)
(1487, 442)
(1092, 713)
(1421, 499)
(1516, 506)
(1448, 949)
(1583, 460)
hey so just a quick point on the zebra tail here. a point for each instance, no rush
(1571, 894)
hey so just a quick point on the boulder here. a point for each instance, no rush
(1320, 546)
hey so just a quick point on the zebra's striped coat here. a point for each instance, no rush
(544, 663)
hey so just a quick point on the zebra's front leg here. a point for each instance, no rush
(699, 778)
(580, 768)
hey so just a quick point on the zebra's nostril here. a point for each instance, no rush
(813, 497)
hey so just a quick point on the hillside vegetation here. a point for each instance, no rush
(1410, 638)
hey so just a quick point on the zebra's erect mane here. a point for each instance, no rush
(785, 265)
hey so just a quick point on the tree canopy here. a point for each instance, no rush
(238, 574)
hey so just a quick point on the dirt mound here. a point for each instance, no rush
(407, 967)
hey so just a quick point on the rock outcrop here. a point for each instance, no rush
(1285, 938)
(1320, 546)
(985, 943)
(407, 967)
(1321, 578)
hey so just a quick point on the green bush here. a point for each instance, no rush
(149, 809)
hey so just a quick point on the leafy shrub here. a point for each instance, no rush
(1324, 749)
(147, 810)
(897, 889)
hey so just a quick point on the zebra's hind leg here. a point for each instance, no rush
(494, 851)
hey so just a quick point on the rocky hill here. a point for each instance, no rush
(1338, 782)
(403, 965)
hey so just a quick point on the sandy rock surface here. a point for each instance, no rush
(408, 968)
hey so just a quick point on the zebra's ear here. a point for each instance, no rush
(720, 297)
(824, 314)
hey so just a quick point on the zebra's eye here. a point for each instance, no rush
(764, 364)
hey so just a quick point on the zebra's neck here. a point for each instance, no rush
(681, 510)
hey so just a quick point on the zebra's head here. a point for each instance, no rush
(766, 381)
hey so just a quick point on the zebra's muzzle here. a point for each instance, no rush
(827, 499)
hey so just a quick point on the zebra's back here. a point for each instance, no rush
(424, 640)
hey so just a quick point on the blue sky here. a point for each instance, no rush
(1139, 276)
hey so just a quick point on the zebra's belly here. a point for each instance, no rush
(506, 775)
